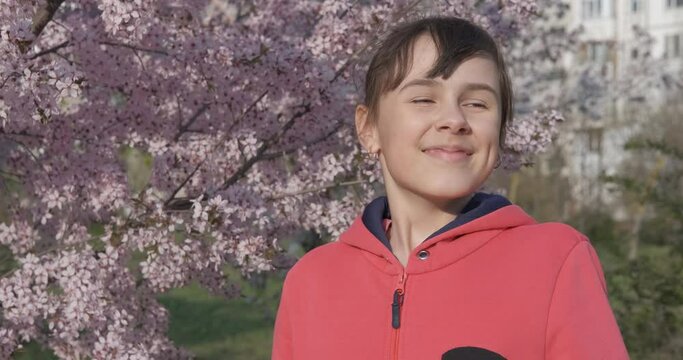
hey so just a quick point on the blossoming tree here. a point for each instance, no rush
(243, 110)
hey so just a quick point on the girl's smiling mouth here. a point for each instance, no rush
(451, 153)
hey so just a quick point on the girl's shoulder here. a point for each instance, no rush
(319, 258)
(550, 242)
(557, 232)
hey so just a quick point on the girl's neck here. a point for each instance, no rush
(414, 218)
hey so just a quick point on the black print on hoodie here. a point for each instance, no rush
(470, 353)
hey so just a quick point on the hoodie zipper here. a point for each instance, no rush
(396, 304)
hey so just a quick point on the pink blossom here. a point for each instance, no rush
(246, 119)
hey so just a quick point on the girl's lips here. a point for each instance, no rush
(450, 156)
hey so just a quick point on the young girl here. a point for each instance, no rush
(434, 269)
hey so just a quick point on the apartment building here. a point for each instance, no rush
(593, 145)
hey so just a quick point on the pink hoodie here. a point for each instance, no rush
(492, 285)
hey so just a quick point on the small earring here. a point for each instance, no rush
(371, 155)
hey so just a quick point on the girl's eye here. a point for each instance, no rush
(422, 101)
(476, 105)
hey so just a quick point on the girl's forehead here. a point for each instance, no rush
(425, 55)
(478, 71)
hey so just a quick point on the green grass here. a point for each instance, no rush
(215, 328)
(33, 351)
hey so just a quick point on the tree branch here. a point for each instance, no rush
(44, 15)
(261, 150)
(134, 47)
(353, 57)
(251, 106)
(183, 128)
(275, 155)
(317, 189)
(173, 194)
(21, 133)
(32, 155)
(183, 204)
(50, 50)
(11, 75)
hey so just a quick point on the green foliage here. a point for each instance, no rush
(646, 292)
(7, 262)
(215, 328)
(638, 143)
(138, 166)
(33, 351)
(647, 299)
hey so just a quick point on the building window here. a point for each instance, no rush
(592, 9)
(674, 3)
(597, 52)
(635, 6)
(672, 46)
(595, 140)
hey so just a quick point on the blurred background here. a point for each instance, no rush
(613, 172)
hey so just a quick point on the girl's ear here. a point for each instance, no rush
(366, 129)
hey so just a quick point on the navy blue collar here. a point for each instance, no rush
(479, 205)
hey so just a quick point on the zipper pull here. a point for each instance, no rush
(396, 309)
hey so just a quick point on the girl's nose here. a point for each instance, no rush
(453, 119)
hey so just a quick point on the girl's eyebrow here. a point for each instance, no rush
(434, 83)
(420, 82)
(480, 86)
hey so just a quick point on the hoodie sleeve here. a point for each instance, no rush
(282, 335)
(581, 324)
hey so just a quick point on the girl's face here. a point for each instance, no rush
(437, 138)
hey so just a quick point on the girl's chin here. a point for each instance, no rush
(446, 193)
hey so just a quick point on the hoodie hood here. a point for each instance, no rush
(479, 205)
(484, 217)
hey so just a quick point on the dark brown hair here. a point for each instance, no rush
(456, 40)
